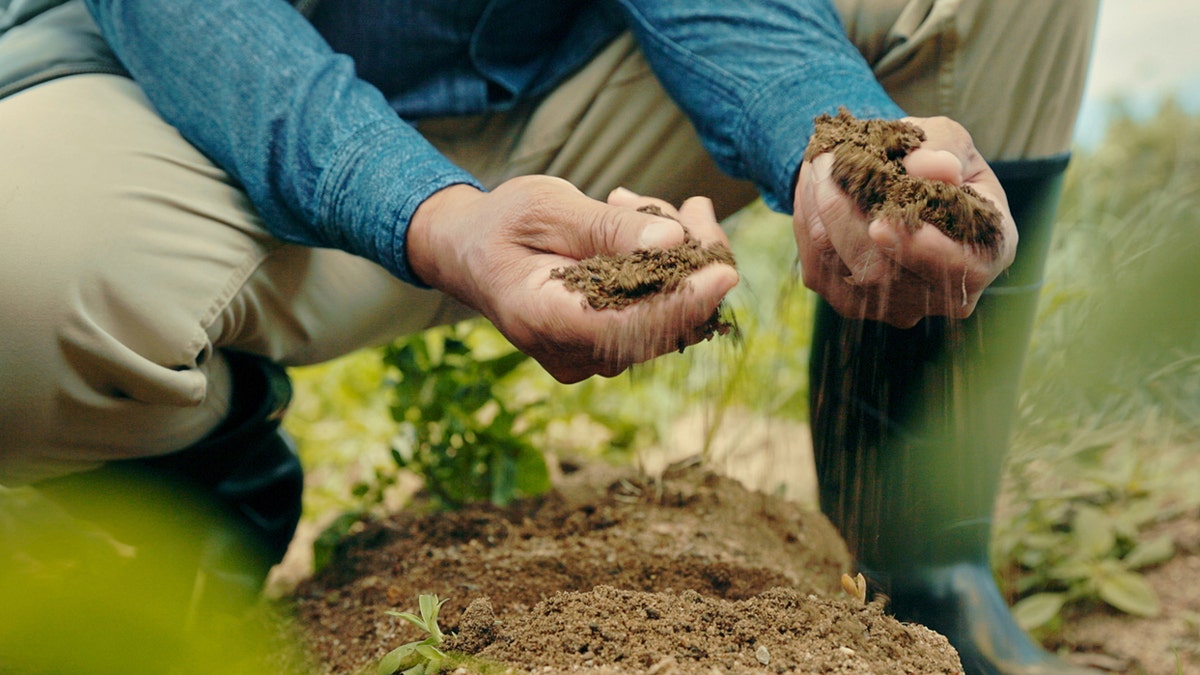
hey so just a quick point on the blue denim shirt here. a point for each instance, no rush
(319, 146)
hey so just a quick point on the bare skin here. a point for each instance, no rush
(494, 251)
(880, 270)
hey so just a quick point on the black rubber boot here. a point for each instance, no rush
(910, 430)
(221, 512)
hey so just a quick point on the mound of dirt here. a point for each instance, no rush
(688, 573)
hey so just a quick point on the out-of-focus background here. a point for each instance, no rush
(1145, 50)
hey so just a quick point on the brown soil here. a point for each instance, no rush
(618, 281)
(690, 573)
(868, 166)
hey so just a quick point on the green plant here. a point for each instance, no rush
(423, 656)
(1081, 509)
(459, 430)
(1109, 417)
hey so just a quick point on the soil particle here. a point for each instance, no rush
(614, 572)
(868, 165)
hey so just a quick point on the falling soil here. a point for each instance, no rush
(688, 573)
(868, 165)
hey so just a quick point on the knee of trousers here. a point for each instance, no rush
(121, 244)
(102, 361)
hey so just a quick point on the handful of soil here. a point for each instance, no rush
(618, 281)
(868, 165)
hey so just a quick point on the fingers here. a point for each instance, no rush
(941, 165)
(608, 230)
(838, 221)
(696, 214)
(610, 341)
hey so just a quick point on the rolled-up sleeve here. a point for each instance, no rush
(324, 158)
(752, 75)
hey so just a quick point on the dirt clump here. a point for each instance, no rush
(614, 572)
(619, 281)
(868, 165)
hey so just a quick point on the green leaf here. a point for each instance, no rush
(1038, 610)
(411, 618)
(430, 606)
(533, 476)
(391, 662)
(1093, 532)
(1130, 593)
(1072, 570)
(1151, 552)
(430, 652)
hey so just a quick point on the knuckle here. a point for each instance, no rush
(604, 229)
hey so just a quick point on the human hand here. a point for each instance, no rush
(494, 251)
(882, 271)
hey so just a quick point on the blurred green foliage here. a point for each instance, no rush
(343, 419)
(1110, 411)
(77, 598)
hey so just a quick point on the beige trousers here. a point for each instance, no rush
(130, 262)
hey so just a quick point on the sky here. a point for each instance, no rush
(1144, 50)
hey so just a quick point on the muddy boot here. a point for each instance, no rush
(218, 514)
(910, 430)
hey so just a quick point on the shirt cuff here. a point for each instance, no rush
(779, 121)
(375, 186)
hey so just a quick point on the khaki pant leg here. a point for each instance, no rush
(129, 262)
(1011, 71)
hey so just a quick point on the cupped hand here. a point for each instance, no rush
(880, 270)
(495, 251)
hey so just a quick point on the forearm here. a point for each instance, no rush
(322, 156)
(753, 75)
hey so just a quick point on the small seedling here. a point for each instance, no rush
(855, 587)
(422, 657)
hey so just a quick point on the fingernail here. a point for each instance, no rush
(623, 192)
(659, 233)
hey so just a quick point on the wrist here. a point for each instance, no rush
(429, 225)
